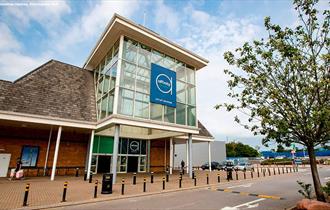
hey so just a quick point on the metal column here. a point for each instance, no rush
(115, 153)
(90, 153)
(57, 146)
(190, 155)
(210, 166)
(47, 152)
(171, 155)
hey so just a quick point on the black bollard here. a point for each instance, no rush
(218, 178)
(236, 175)
(251, 174)
(134, 178)
(282, 170)
(207, 178)
(263, 171)
(244, 175)
(195, 181)
(26, 194)
(258, 173)
(77, 172)
(193, 174)
(167, 176)
(64, 191)
(122, 186)
(269, 174)
(152, 177)
(163, 183)
(278, 170)
(91, 177)
(95, 188)
(274, 171)
(180, 175)
(85, 175)
(144, 184)
(180, 183)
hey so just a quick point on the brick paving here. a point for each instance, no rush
(46, 192)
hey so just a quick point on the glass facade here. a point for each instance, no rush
(135, 86)
(133, 98)
(105, 79)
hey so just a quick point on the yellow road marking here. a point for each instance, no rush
(270, 197)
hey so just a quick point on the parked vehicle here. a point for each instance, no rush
(227, 165)
(214, 166)
(243, 167)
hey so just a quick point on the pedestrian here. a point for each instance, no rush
(182, 166)
(17, 168)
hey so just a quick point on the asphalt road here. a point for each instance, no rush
(269, 189)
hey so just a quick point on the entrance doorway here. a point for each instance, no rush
(132, 163)
(103, 165)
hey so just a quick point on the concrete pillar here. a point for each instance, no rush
(171, 155)
(165, 157)
(148, 146)
(57, 147)
(115, 153)
(90, 153)
(187, 156)
(210, 159)
(190, 155)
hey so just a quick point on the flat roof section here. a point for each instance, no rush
(119, 25)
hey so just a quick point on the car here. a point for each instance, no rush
(214, 166)
(227, 165)
(243, 167)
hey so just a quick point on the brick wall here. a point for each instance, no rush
(72, 150)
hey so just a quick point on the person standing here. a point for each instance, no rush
(182, 166)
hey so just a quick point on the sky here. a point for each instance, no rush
(33, 32)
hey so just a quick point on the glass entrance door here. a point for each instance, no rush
(104, 163)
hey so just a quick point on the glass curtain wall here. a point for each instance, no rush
(105, 79)
(135, 86)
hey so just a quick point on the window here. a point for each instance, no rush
(169, 114)
(143, 80)
(130, 50)
(142, 164)
(126, 101)
(144, 56)
(157, 57)
(128, 75)
(29, 156)
(191, 94)
(156, 112)
(181, 92)
(141, 105)
(191, 115)
(180, 114)
(104, 106)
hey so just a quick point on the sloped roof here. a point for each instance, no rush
(203, 131)
(54, 89)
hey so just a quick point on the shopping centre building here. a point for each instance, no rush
(123, 111)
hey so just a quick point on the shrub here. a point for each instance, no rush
(306, 190)
(326, 188)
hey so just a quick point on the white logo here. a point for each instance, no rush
(164, 83)
(134, 146)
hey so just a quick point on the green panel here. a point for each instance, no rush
(106, 144)
(96, 144)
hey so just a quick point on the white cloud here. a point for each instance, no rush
(48, 14)
(166, 16)
(7, 40)
(93, 22)
(211, 37)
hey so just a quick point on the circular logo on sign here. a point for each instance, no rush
(164, 83)
(134, 146)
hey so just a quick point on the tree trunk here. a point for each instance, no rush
(315, 174)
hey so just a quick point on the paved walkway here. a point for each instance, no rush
(45, 192)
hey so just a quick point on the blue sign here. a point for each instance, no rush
(162, 86)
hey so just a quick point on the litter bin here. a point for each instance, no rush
(107, 184)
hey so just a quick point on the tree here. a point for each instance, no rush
(283, 83)
(280, 148)
(237, 149)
